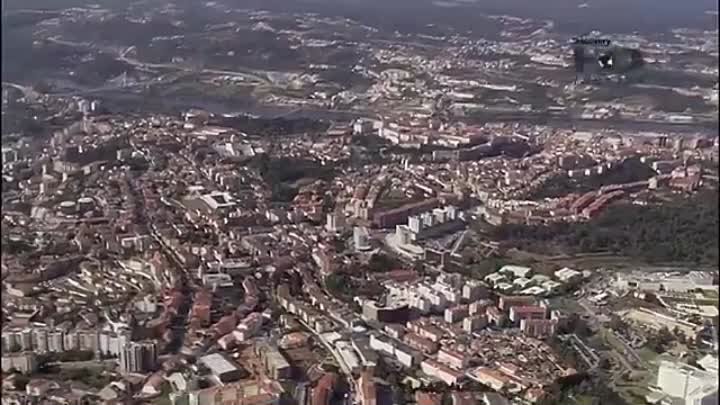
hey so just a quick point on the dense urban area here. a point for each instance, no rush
(208, 204)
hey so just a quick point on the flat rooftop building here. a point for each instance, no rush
(684, 384)
(224, 369)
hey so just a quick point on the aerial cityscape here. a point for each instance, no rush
(451, 202)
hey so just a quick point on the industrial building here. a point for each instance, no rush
(222, 368)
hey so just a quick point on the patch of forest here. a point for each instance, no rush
(680, 231)
(279, 172)
(271, 126)
(628, 171)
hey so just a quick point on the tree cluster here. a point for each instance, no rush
(90, 377)
(278, 172)
(66, 356)
(628, 171)
(281, 170)
(14, 247)
(382, 263)
(339, 284)
(661, 341)
(271, 126)
(594, 390)
(345, 288)
(685, 230)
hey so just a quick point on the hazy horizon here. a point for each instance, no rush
(608, 16)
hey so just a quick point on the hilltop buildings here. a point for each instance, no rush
(679, 383)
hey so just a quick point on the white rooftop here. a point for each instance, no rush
(567, 272)
(218, 364)
(533, 291)
(518, 271)
(709, 363)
